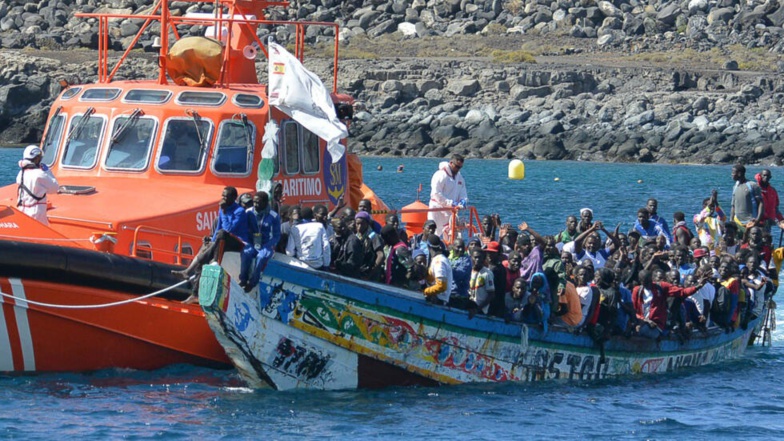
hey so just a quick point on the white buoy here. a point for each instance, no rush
(557, 179)
(516, 169)
(639, 181)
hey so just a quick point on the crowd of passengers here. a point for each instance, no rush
(651, 282)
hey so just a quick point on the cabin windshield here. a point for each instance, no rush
(235, 148)
(131, 143)
(53, 136)
(84, 138)
(185, 144)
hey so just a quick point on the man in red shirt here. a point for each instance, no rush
(770, 199)
(650, 303)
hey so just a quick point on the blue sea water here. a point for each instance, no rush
(743, 399)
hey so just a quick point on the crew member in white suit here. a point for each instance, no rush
(35, 181)
(447, 190)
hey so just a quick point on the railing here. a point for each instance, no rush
(241, 9)
(140, 230)
(456, 226)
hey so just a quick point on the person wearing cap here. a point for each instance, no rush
(308, 242)
(586, 220)
(439, 273)
(246, 201)
(700, 254)
(35, 181)
(365, 205)
(495, 265)
(447, 190)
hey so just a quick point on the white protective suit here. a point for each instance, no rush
(446, 191)
(40, 183)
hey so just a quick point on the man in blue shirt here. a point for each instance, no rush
(265, 240)
(653, 206)
(233, 232)
(649, 229)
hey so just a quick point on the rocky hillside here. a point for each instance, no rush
(691, 81)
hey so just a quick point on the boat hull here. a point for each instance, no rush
(308, 329)
(145, 334)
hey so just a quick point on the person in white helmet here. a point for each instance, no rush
(35, 181)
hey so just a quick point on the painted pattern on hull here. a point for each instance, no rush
(435, 349)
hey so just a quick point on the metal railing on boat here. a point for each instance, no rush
(139, 251)
(169, 23)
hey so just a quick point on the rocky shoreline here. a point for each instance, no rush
(562, 107)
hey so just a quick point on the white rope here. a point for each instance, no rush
(21, 301)
(39, 239)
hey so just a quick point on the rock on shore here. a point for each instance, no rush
(436, 107)
(429, 108)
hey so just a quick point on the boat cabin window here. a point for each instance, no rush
(201, 98)
(302, 149)
(291, 144)
(235, 148)
(310, 152)
(84, 137)
(101, 94)
(70, 93)
(52, 141)
(130, 143)
(141, 96)
(248, 101)
(185, 144)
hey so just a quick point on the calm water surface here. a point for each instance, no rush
(743, 399)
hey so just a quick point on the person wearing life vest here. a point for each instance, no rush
(447, 190)
(35, 181)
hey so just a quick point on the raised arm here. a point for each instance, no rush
(537, 237)
(578, 241)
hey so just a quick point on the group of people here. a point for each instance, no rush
(655, 280)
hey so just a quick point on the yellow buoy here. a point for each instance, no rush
(516, 169)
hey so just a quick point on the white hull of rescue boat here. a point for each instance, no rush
(309, 329)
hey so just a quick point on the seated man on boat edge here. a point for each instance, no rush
(233, 232)
(265, 240)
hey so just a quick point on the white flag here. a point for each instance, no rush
(300, 94)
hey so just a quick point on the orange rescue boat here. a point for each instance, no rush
(141, 166)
